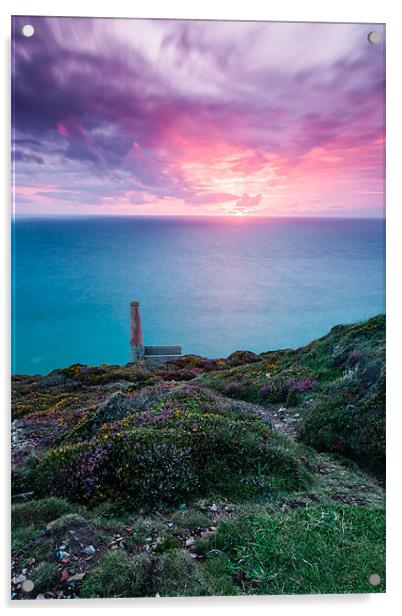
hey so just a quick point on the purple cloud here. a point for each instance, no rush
(196, 114)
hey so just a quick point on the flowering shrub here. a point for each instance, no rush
(301, 385)
(182, 454)
(283, 389)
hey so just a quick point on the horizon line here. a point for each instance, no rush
(234, 216)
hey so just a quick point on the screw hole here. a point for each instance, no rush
(374, 579)
(374, 37)
(28, 30)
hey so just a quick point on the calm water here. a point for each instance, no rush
(212, 285)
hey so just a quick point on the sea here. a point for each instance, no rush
(212, 284)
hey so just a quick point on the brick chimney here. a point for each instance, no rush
(136, 339)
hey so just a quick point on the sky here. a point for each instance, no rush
(165, 117)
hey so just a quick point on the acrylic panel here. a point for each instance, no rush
(198, 345)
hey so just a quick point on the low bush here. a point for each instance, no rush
(193, 455)
(353, 428)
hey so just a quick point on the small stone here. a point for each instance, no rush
(19, 579)
(90, 550)
(30, 562)
(214, 508)
(189, 542)
(77, 577)
(213, 528)
(40, 597)
(169, 524)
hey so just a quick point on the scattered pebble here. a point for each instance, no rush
(76, 578)
(19, 579)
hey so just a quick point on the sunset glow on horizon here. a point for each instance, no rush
(165, 117)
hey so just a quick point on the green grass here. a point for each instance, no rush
(39, 512)
(45, 576)
(315, 550)
(118, 575)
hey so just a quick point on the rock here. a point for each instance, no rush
(190, 542)
(40, 597)
(214, 508)
(206, 533)
(90, 550)
(19, 579)
(31, 561)
(64, 576)
(78, 577)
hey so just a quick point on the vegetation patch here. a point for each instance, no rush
(245, 475)
(304, 551)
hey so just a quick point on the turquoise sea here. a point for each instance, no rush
(214, 285)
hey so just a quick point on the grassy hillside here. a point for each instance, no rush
(251, 474)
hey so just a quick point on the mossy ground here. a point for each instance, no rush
(192, 478)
